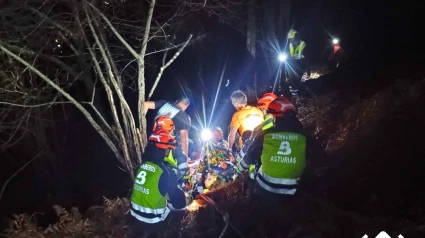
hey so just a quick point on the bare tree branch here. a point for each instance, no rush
(161, 70)
(118, 35)
(50, 58)
(67, 96)
(120, 96)
(55, 23)
(31, 106)
(141, 78)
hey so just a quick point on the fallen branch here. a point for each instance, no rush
(161, 71)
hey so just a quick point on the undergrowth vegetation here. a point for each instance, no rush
(337, 123)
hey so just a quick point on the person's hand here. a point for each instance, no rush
(232, 158)
(189, 198)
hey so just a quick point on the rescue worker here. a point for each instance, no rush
(155, 184)
(176, 112)
(262, 104)
(297, 62)
(336, 55)
(245, 118)
(281, 150)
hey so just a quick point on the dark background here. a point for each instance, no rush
(382, 39)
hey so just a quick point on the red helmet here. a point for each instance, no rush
(164, 125)
(163, 141)
(162, 133)
(217, 134)
(280, 106)
(265, 100)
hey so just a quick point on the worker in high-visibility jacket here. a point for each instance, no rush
(262, 104)
(279, 153)
(297, 61)
(282, 152)
(156, 182)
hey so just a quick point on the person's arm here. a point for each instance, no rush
(252, 154)
(181, 160)
(234, 126)
(184, 140)
(168, 185)
(149, 105)
(232, 136)
(307, 60)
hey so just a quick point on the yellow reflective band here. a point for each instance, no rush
(268, 122)
(291, 33)
(170, 159)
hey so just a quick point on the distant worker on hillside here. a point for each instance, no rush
(297, 62)
(156, 183)
(336, 55)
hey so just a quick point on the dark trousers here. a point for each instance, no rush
(141, 229)
(295, 70)
(267, 211)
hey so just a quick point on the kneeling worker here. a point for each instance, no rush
(281, 151)
(156, 182)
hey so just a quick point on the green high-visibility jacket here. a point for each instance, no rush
(297, 52)
(281, 150)
(155, 183)
(267, 124)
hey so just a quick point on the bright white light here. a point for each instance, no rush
(335, 41)
(206, 134)
(59, 46)
(282, 57)
(251, 122)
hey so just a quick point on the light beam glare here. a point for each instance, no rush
(279, 70)
(217, 92)
(203, 110)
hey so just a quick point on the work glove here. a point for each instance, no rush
(252, 171)
(232, 158)
(237, 170)
(189, 198)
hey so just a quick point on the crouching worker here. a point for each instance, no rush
(248, 138)
(155, 183)
(281, 151)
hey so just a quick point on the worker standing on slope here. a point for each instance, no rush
(297, 62)
(156, 181)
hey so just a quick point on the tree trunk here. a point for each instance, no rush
(283, 17)
(251, 28)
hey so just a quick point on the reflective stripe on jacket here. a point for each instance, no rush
(147, 203)
(297, 52)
